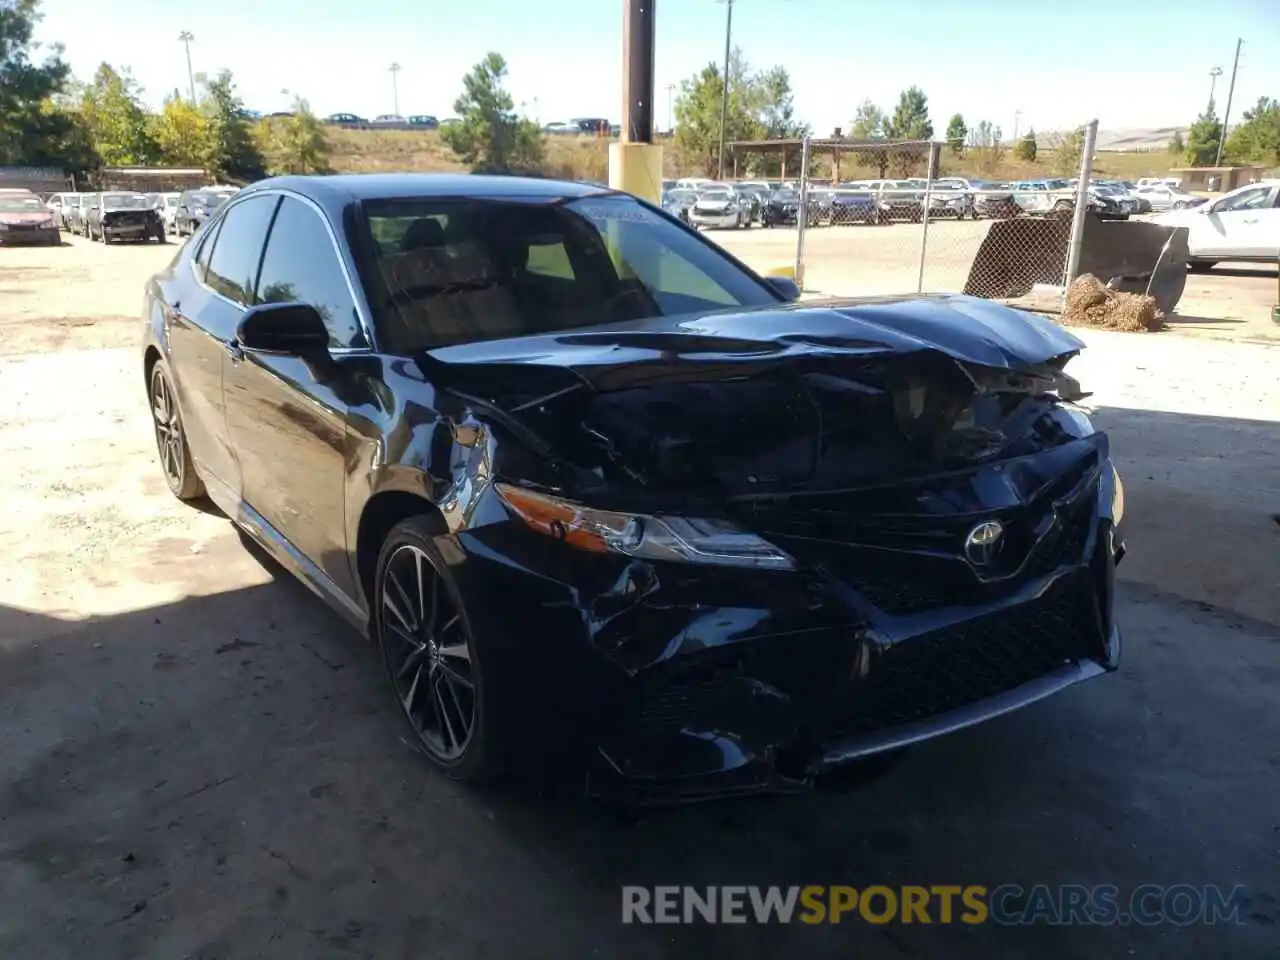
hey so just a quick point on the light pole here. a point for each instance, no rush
(724, 96)
(395, 89)
(671, 126)
(185, 38)
(1226, 114)
(1017, 121)
(1214, 74)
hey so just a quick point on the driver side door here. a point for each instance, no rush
(1229, 229)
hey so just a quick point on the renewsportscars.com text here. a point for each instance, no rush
(1008, 904)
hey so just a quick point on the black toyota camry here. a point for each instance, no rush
(607, 500)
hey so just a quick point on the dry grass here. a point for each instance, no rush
(1090, 304)
(587, 158)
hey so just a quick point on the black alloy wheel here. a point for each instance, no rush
(430, 653)
(171, 440)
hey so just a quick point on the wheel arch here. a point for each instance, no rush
(380, 513)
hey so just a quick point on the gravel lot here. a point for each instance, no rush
(200, 760)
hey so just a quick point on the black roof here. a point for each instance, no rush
(347, 187)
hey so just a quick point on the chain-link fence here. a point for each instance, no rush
(888, 218)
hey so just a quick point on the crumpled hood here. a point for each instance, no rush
(968, 329)
(776, 399)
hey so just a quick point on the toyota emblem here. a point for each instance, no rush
(983, 542)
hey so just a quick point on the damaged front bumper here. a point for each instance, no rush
(674, 683)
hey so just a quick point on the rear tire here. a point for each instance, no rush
(171, 438)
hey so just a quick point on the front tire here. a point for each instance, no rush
(171, 439)
(434, 664)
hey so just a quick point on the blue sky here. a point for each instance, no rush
(1138, 63)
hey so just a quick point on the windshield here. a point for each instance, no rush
(20, 205)
(682, 195)
(209, 198)
(446, 271)
(126, 201)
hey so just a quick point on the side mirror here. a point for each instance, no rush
(785, 287)
(287, 329)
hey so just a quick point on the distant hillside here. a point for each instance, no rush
(587, 158)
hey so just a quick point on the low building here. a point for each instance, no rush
(1217, 179)
(39, 180)
(151, 179)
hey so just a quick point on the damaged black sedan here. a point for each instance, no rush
(609, 501)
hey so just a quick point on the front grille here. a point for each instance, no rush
(951, 668)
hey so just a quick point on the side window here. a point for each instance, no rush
(301, 265)
(549, 259)
(206, 249)
(1245, 200)
(237, 250)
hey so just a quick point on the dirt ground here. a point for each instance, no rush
(200, 760)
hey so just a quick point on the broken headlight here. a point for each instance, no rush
(673, 539)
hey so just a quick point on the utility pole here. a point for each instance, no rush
(724, 96)
(1226, 114)
(1017, 122)
(1214, 74)
(671, 88)
(185, 38)
(638, 30)
(395, 89)
(635, 161)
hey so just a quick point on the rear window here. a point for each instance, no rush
(447, 271)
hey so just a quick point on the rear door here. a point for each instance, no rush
(202, 329)
(286, 417)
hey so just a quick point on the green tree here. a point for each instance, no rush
(117, 121)
(1068, 151)
(296, 144)
(34, 127)
(489, 136)
(697, 138)
(911, 117)
(868, 122)
(181, 133)
(1177, 145)
(775, 104)
(233, 153)
(1203, 138)
(1257, 139)
(957, 132)
(1027, 148)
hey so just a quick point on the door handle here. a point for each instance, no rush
(234, 350)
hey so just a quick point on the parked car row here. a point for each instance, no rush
(392, 121)
(884, 201)
(132, 215)
(594, 126)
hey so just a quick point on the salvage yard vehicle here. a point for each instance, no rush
(197, 206)
(123, 216)
(609, 501)
(57, 202)
(1163, 197)
(1241, 225)
(677, 203)
(719, 209)
(25, 220)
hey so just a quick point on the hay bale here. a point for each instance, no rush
(1090, 304)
